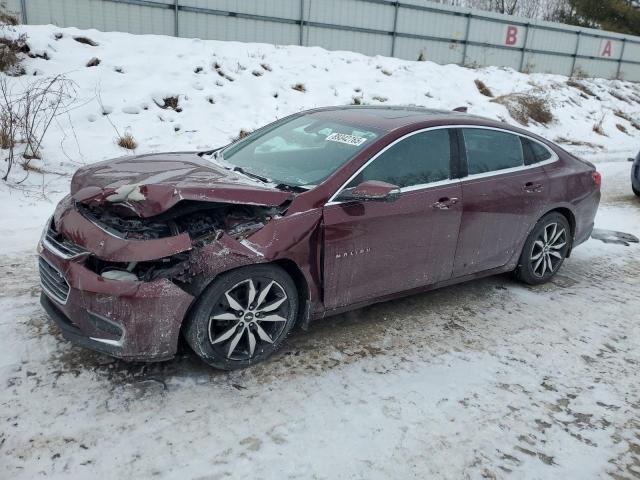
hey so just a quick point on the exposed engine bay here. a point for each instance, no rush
(204, 222)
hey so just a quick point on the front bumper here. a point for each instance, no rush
(128, 320)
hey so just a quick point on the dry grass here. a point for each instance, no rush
(617, 95)
(628, 118)
(379, 98)
(622, 128)
(422, 57)
(482, 88)
(94, 62)
(578, 143)
(357, 101)
(7, 134)
(597, 127)
(127, 141)
(266, 67)
(582, 87)
(525, 108)
(299, 87)
(256, 73)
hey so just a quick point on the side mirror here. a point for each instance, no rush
(631, 159)
(370, 191)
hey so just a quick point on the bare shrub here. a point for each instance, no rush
(266, 66)
(482, 88)
(357, 101)
(581, 86)
(300, 87)
(256, 73)
(628, 118)
(379, 98)
(621, 127)
(127, 141)
(27, 114)
(422, 57)
(597, 127)
(525, 108)
(86, 41)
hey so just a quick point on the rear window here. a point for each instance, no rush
(535, 152)
(491, 150)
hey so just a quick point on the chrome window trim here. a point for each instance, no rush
(554, 158)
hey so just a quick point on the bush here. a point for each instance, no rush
(525, 108)
(27, 114)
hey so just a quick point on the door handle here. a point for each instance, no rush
(444, 203)
(531, 187)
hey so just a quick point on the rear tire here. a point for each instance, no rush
(545, 249)
(243, 317)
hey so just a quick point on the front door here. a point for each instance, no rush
(504, 193)
(378, 248)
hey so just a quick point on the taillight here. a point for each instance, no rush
(597, 178)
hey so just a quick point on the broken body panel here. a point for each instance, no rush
(169, 224)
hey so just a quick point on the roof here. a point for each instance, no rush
(392, 117)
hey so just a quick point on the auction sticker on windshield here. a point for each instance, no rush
(348, 139)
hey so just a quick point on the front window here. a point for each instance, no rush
(302, 151)
(419, 159)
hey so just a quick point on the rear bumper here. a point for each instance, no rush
(128, 320)
(635, 175)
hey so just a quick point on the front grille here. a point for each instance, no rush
(60, 246)
(53, 282)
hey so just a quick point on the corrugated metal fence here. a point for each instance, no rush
(409, 29)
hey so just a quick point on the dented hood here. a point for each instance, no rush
(150, 184)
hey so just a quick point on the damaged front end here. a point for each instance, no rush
(122, 284)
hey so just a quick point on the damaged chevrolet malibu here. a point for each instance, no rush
(315, 214)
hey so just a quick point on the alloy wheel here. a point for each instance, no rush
(250, 315)
(548, 250)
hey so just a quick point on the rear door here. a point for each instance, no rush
(378, 248)
(504, 193)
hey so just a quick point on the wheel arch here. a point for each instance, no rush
(571, 218)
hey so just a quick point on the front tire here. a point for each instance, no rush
(545, 249)
(243, 317)
(636, 191)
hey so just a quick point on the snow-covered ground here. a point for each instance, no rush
(489, 379)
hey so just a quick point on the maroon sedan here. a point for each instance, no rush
(318, 213)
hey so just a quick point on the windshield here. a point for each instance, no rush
(302, 151)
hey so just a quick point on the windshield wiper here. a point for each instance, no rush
(251, 175)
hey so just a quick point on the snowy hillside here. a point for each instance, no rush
(225, 87)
